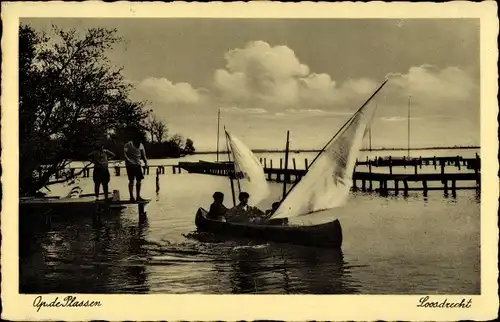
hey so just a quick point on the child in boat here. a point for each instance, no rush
(243, 212)
(261, 218)
(217, 208)
(100, 158)
(273, 209)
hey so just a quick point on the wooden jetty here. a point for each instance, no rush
(367, 179)
(84, 204)
(363, 180)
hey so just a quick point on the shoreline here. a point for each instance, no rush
(364, 150)
(312, 150)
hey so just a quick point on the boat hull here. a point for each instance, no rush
(323, 235)
(65, 206)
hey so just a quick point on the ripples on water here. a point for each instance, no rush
(393, 245)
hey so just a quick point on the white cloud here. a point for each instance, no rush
(163, 91)
(432, 87)
(238, 110)
(272, 77)
(271, 81)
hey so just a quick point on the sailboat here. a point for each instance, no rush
(325, 186)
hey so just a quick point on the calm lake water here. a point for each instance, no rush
(392, 245)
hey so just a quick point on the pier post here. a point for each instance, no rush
(405, 191)
(434, 162)
(294, 165)
(265, 163)
(453, 188)
(306, 163)
(354, 186)
(363, 185)
(281, 163)
(442, 167)
(179, 169)
(396, 187)
(424, 185)
(173, 169)
(477, 167)
(157, 180)
(457, 162)
(404, 161)
(390, 164)
(415, 165)
(420, 163)
(260, 160)
(142, 212)
(271, 163)
(445, 182)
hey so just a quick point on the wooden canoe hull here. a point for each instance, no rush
(323, 235)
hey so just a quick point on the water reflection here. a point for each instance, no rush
(290, 269)
(121, 254)
(82, 255)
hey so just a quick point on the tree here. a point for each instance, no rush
(157, 129)
(160, 131)
(189, 147)
(70, 97)
(176, 140)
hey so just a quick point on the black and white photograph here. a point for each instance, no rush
(261, 155)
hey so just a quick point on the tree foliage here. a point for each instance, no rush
(157, 129)
(70, 97)
(189, 147)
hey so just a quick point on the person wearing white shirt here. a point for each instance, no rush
(243, 212)
(134, 151)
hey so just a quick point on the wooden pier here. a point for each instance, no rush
(446, 182)
(465, 170)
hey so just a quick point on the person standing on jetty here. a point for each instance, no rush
(133, 152)
(101, 172)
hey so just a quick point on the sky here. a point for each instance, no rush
(307, 76)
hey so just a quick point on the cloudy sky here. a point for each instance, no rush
(303, 75)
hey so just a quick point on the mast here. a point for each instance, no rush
(286, 161)
(370, 135)
(409, 107)
(218, 126)
(343, 126)
(370, 132)
(229, 159)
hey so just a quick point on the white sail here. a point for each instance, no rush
(329, 179)
(248, 170)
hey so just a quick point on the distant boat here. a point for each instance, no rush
(325, 186)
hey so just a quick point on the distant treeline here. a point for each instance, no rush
(373, 149)
(154, 150)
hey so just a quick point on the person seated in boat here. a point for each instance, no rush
(243, 212)
(262, 217)
(217, 208)
(101, 175)
(273, 209)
